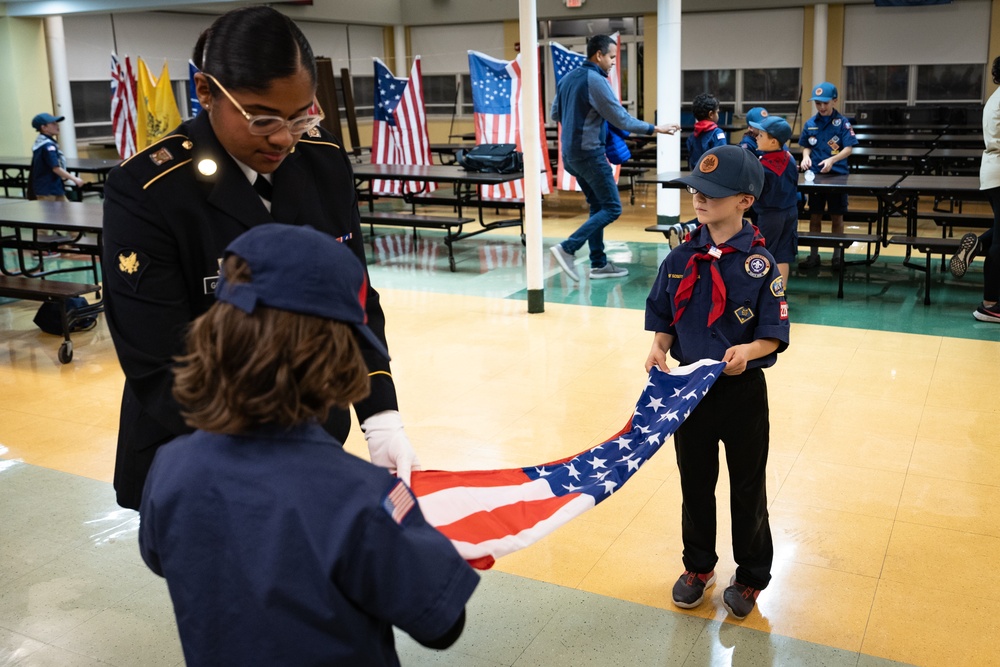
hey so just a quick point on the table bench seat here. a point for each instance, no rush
(450, 224)
(842, 241)
(929, 246)
(54, 291)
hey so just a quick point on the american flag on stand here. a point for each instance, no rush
(123, 108)
(565, 61)
(399, 131)
(496, 104)
(490, 513)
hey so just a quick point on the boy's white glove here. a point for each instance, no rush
(388, 445)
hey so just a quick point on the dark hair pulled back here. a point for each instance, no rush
(995, 70)
(248, 48)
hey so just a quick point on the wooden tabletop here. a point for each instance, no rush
(57, 215)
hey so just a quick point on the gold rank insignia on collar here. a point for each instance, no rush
(161, 157)
(128, 263)
(187, 145)
(313, 132)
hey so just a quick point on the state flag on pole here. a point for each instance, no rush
(156, 106)
(123, 108)
(496, 105)
(399, 130)
(565, 61)
(490, 513)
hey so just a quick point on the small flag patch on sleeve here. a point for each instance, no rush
(398, 502)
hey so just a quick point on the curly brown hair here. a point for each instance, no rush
(269, 367)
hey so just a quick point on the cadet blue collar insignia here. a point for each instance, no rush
(313, 132)
(778, 286)
(743, 314)
(131, 265)
(161, 157)
(757, 266)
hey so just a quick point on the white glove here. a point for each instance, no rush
(388, 445)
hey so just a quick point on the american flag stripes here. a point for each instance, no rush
(399, 131)
(496, 105)
(490, 513)
(398, 502)
(123, 107)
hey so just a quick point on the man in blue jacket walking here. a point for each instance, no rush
(584, 104)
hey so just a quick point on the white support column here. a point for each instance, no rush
(821, 25)
(668, 104)
(530, 141)
(399, 45)
(55, 44)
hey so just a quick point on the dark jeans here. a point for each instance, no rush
(735, 411)
(597, 180)
(991, 246)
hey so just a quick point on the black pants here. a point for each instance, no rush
(991, 247)
(735, 411)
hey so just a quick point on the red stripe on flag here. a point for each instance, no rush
(429, 481)
(483, 526)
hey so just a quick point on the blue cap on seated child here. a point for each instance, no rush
(725, 171)
(777, 127)
(756, 115)
(301, 270)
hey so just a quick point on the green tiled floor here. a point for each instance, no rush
(885, 296)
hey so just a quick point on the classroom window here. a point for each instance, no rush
(949, 83)
(718, 82)
(877, 83)
(776, 89)
(441, 93)
(364, 95)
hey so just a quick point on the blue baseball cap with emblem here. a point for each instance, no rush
(725, 171)
(777, 127)
(824, 92)
(756, 115)
(301, 270)
(45, 119)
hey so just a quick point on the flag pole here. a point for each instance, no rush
(530, 141)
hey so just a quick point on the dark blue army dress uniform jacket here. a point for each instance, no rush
(166, 224)
(755, 301)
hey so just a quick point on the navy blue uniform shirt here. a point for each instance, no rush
(709, 136)
(826, 136)
(280, 548)
(755, 301)
(781, 182)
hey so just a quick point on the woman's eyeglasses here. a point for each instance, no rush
(698, 192)
(265, 125)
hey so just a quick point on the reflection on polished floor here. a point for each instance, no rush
(883, 475)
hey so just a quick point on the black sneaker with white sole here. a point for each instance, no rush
(963, 256)
(689, 590)
(991, 314)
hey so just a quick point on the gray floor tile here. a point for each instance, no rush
(15, 647)
(728, 644)
(53, 656)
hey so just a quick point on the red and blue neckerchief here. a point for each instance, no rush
(710, 253)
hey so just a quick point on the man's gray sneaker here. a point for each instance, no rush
(565, 260)
(609, 270)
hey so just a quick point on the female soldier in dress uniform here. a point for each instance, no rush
(255, 154)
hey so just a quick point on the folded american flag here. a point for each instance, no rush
(490, 513)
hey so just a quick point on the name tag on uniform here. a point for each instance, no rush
(210, 283)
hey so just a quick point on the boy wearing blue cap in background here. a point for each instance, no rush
(48, 165)
(718, 296)
(826, 142)
(777, 207)
(749, 140)
(707, 133)
(280, 548)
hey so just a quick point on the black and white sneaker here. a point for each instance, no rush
(963, 256)
(991, 314)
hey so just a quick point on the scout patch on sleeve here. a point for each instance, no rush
(398, 502)
(130, 266)
(778, 286)
(783, 310)
(757, 266)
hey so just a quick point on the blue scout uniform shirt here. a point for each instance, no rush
(826, 136)
(698, 143)
(750, 143)
(46, 156)
(781, 180)
(755, 301)
(280, 548)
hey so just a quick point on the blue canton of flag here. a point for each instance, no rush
(665, 403)
(192, 90)
(491, 84)
(565, 61)
(388, 93)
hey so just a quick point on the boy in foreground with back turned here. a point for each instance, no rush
(280, 548)
(718, 296)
